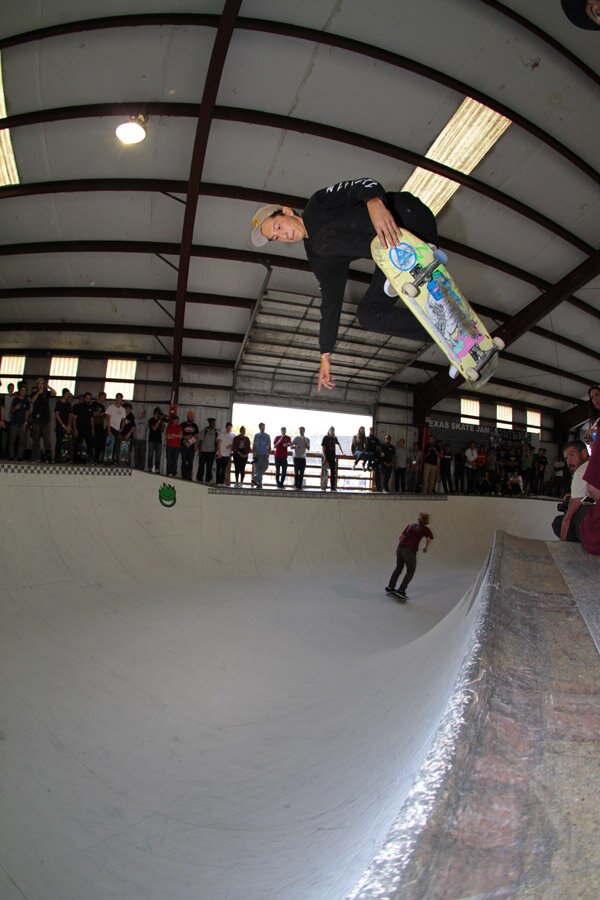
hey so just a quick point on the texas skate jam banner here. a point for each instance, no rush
(448, 432)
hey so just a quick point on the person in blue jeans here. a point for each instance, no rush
(261, 449)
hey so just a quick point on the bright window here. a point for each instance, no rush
(63, 371)
(120, 378)
(469, 411)
(534, 421)
(504, 416)
(12, 366)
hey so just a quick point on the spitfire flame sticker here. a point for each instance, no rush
(167, 494)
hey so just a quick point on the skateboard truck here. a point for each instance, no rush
(411, 288)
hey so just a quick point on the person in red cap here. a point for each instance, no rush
(337, 227)
(406, 555)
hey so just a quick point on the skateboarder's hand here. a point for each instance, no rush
(325, 379)
(384, 223)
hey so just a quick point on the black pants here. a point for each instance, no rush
(332, 465)
(299, 467)
(99, 444)
(205, 466)
(187, 461)
(222, 464)
(400, 478)
(172, 460)
(84, 444)
(471, 480)
(239, 464)
(404, 557)
(280, 471)
(386, 472)
(445, 477)
(574, 524)
(459, 478)
(376, 311)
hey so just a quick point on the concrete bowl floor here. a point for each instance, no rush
(218, 701)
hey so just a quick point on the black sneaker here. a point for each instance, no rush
(401, 597)
(391, 590)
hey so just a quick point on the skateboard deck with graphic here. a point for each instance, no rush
(426, 287)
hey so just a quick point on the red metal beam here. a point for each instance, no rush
(205, 118)
(123, 328)
(442, 385)
(301, 126)
(296, 32)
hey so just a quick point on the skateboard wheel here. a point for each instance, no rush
(441, 257)
(472, 375)
(410, 290)
(499, 343)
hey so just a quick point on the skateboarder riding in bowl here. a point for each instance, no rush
(337, 227)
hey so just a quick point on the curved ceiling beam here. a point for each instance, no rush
(548, 39)
(239, 302)
(85, 353)
(267, 260)
(205, 118)
(254, 195)
(118, 293)
(442, 385)
(301, 126)
(296, 32)
(124, 328)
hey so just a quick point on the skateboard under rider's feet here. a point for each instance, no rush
(419, 275)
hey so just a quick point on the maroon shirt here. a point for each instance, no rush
(412, 534)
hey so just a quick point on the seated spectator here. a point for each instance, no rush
(63, 428)
(565, 526)
(40, 419)
(589, 528)
(19, 422)
(174, 435)
(372, 452)
(485, 485)
(358, 447)
(240, 450)
(224, 448)
(514, 484)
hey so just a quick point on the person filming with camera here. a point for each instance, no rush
(564, 526)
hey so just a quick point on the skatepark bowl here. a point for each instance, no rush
(218, 701)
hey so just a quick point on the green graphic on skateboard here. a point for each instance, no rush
(419, 276)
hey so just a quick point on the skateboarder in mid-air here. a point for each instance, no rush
(406, 555)
(337, 227)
